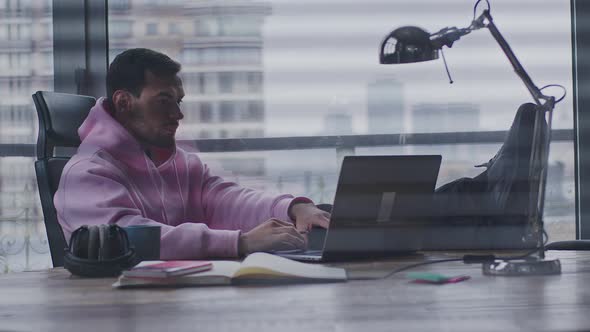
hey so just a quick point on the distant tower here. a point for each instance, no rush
(338, 119)
(453, 117)
(385, 106)
(432, 118)
(337, 124)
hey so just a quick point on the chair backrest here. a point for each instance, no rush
(60, 115)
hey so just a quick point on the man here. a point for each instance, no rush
(129, 171)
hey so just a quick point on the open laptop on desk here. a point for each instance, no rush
(375, 199)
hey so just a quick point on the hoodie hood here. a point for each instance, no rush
(100, 129)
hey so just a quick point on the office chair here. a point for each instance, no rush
(59, 115)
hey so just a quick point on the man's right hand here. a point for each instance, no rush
(271, 235)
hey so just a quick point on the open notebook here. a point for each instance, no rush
(256, 268)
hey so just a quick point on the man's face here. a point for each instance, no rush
(153, 117)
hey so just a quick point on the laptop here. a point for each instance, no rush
(376, 200)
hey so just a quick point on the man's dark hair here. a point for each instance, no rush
(127, 71)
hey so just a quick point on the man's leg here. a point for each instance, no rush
(503, 189)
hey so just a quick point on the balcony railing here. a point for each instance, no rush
(347, 142)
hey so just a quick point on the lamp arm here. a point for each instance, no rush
(518, 68)
(539, 160)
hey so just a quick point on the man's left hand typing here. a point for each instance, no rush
(307, 214)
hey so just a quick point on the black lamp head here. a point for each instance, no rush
(406, 45)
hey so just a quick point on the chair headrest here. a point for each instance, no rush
(62, 115)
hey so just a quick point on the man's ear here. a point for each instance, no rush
(122, 101)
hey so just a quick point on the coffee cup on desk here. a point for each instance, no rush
(146, 241)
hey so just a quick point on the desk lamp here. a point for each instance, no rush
(409, 44)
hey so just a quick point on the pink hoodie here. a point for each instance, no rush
(111, 180)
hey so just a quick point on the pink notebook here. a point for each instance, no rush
(166, 269)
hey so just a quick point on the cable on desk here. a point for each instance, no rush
(471, 259)
(407, 267)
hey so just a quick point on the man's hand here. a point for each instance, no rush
(307, 214)
(272, 234)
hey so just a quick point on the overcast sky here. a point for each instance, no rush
(319, 56)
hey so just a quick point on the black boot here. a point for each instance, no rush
(508, 174)
(501, 192)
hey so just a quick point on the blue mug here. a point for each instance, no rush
(146, 240)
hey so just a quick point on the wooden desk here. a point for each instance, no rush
(53, 301)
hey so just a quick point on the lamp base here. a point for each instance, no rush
(524, 267)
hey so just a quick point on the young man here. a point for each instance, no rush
(129, 171)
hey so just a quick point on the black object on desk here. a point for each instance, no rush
(99, 251)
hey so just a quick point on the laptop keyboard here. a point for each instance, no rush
(299, 252)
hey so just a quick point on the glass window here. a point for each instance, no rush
(119, 4)
(4, 62)
(239, 55)
(210, 56)
(226, 82)
(227, 111)
(4, 31)
(239, 25)
(190, 110)
(25, 51)
(209, 85)
(191, 82)
(192, 56)
(254, 81)
(121, 29)
(206, 26)
(151, 29)
(204, 134)
(290, 69)
(254, 111)
(205, 112)
(47, 5)
(47, 31)
(47, 58)
(174, 28)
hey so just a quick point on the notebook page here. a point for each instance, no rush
(263, 264)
